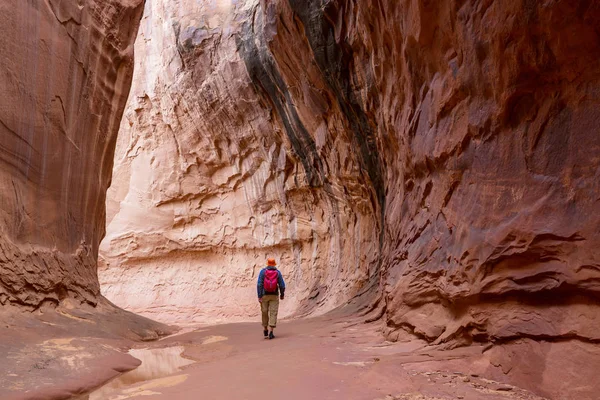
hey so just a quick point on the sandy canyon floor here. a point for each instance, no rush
(330, 357)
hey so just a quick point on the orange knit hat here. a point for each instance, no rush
(271, 262)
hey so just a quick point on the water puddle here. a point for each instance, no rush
(156, 364)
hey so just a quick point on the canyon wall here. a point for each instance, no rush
(216, 169)
(443, 157)
(448, 152)
(67, 68)
(485, 120)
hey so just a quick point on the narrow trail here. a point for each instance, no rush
(323, 358)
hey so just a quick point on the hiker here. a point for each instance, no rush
(269, 287)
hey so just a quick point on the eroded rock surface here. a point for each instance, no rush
(443, 156)
(470, 129)
(493, 222)
(216, 169)
(67, 68)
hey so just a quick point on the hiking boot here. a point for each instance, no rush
(266, 333)
(271, 336)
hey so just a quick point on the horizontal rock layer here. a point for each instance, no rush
(67, 68)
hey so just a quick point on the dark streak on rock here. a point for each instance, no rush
(333, 59)
(178, 45)
(268, 81)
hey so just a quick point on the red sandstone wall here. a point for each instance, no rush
(66, 69)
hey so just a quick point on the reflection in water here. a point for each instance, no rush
(156, 363)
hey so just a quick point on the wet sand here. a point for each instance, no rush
(57, 353)
(54, 356)
(322, 358)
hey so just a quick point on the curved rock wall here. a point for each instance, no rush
(219, 165)
(448, 150)
(67, 68)
(487, 119)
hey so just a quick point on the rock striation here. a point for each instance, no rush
(491, 113)
(67, 68)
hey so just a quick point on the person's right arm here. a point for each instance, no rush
(260, 290)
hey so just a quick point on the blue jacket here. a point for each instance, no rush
(261, 280)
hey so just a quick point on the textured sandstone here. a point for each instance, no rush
(295, 128)
(493, 220)
(481, 121)
(208, 183)
(448, 150)
(67, 69)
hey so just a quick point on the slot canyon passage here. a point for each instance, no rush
(426, 174)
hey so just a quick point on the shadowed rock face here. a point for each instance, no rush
(481, 120)
(67, 69)
(491, 112)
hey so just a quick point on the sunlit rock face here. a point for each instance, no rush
(66, 71)
(223, 159)
(449, 151)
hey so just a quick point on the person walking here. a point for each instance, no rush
(270, 288)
